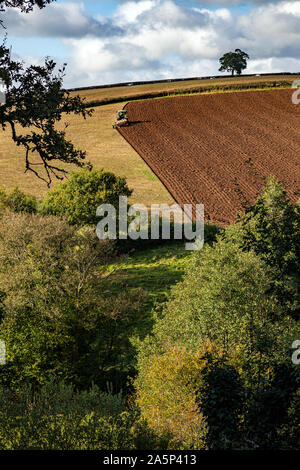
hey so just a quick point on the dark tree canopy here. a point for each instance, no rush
(35, 102)
(24, 5)
(234, 62)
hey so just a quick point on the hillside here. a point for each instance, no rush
(105, 147)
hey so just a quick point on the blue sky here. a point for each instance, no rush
(124, 40)
(104, 7)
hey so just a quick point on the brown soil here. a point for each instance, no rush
(200, 146)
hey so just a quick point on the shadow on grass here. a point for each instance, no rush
(155, 270)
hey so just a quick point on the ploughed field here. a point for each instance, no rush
(217, 149)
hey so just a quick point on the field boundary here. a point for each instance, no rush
(174, 80)
(192, 90)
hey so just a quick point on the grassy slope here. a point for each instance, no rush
(105, 149)
(154, 270)
(132, 91)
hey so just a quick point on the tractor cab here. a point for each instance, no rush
(122, 115)
(121, 119)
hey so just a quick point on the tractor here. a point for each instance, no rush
(121, 119)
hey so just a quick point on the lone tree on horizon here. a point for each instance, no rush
(234, 62)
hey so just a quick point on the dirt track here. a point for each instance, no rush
(199, 146)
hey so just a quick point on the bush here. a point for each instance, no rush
(78, 432)
(166, 393)
(79, 197)
(126, 246)
(58, 397)
(18, 201)
(220, 398)
(57, 417)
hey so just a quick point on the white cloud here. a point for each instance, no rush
(160, 39)
(274, 65)
(150, 39)
(57, 20)
(129, 11)
(271, 31)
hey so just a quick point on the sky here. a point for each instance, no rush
(128, 40)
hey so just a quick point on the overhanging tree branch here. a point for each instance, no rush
(36, 102)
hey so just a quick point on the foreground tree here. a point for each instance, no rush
(223, 341)
(58, 315)
(234, 62)
(221, 344)
(271, 228)
(35, 102)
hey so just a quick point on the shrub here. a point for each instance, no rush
(57, 397)
(57, 417)
(220, 398)
(79, 197)
(18, 201)
(78, 432)
(166, 393)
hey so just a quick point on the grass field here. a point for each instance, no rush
(133, 91)
(154, 270)
(105, 147)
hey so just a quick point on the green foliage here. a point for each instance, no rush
(57, 417)
(234, 61)
(79, 432)
(17, 201)
(58, 397)
(220, 399)
(272, 229)
(228, 298)
(126, 246)
(273, 403)
(166, 394)
(57, 317)
(79, 197)
(215, 373)
(222, 299)
(71, 432)
(290, 432)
